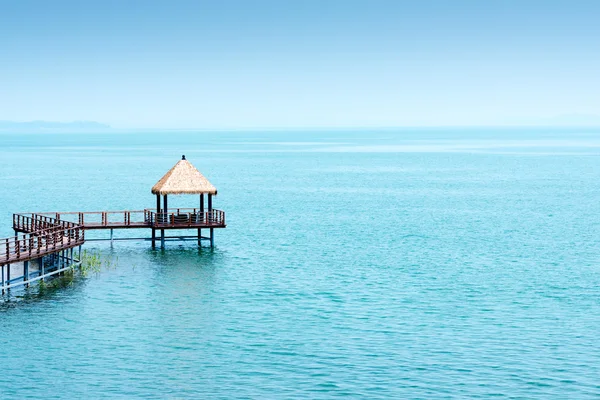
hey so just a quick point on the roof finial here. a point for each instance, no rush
(183, 157)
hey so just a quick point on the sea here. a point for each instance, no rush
(414, 263)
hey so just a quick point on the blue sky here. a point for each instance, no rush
(245, 64)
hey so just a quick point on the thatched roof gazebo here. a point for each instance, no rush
(184, 178)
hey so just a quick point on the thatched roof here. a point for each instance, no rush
(183, 178)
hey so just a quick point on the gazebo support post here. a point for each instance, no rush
(212, 230)
(165, 219)
(155, 222)
(201, 219)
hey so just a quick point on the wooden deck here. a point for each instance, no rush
(23, 250)
(46, 236)
(180, 218)
(47, 233)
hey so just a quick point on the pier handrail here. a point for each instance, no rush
(185, 217)
(46, 213)
(36, 222)
(27, 222)
(39, 243)
(98, 218)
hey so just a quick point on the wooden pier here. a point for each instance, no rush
(44, 242)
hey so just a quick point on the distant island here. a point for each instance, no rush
(43, 126)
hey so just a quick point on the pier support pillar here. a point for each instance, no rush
(199, 237)
(162, 238)
(2, 272)
(42, 268)
(111, 237)
(26, 273)
(212, 237)
(153, 238)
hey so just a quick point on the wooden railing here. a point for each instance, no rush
(136, 218)
(36, 222)
(100, 218)
(119, 219)
(185, 217)
(40, 242)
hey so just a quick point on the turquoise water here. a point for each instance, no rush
(368, 263)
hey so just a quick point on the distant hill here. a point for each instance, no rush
(43, 126)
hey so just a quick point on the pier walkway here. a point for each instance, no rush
(46, 240)
(45, 234)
